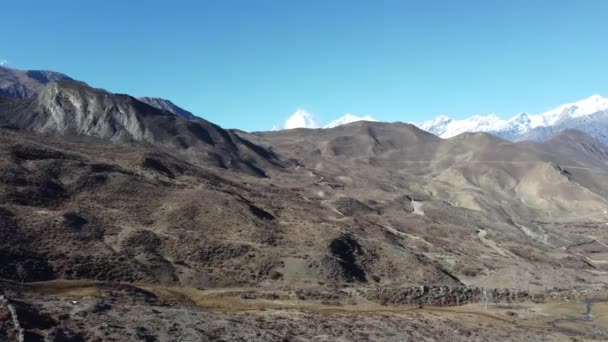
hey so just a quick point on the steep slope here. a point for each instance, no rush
(72, 108)
(578, 146)
(26, 83)
(582, 149)
(168, 106)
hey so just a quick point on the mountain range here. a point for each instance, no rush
(589, 115)
(120, 209)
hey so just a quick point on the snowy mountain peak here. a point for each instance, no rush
(346, 119)
(299, 119)
(521, 117)
(523, 125)
(440, 120)
(445, 127)
(590, 105)
(437, 126)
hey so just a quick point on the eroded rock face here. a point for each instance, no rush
(169, 106)
(67, 107)
(26, 83)
(72, 108)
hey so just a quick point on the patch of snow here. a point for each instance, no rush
(346, 119)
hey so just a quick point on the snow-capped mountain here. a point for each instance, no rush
(348, 118)
(445, 127)
(589, 115)
(590, 105)
(596, 125)
(303, 119)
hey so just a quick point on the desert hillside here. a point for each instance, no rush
(118, 204)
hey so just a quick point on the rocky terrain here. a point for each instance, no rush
(168, 106)
(26, 83)
(121, 220)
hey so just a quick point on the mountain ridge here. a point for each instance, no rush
(585, 115)
(73, 108)
(169, 106)
(27, 83)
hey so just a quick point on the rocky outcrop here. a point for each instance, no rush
(444, 295)
(168, 106)
(460, 295)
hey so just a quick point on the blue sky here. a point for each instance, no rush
(249, 64)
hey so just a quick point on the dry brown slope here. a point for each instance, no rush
(74, 208)
(473, 170)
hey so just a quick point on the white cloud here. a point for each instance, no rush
(3, 62)
(303, 119)
(299, 119)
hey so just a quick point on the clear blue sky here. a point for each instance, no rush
(249, 64)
